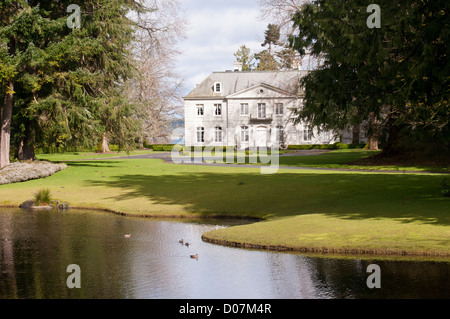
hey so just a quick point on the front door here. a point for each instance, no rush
(261, 137)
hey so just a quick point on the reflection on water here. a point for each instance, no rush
(37, 247)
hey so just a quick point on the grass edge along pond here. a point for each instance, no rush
(304, 210)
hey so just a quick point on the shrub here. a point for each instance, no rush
(335, 146)
(162, 147)
(313, 147)
(340, 146)
(42, 197)
(299, 147)
(146, 145)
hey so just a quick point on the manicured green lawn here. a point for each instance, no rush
(343, 159)
(338, 159)
(302, 208)
(70, 156)
(326, 233)
(332, 159)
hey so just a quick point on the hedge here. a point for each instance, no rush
(162, 147)
(335, 146)
(64, 149)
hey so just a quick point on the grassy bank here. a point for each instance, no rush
(302, 208)
(322, 233)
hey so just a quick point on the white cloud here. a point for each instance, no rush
(216, 30)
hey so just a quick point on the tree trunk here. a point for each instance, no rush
(372, 143)
(105, 147)
(26, 146)
(355, 134)
(5, 133)
(374, 133)
(392, 147)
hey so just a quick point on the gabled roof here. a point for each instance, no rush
(262, 85)
(233, 82)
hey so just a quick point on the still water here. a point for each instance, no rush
(37, 247)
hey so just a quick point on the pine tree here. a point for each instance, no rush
(271, 36)
(244, 56)
(266, 61)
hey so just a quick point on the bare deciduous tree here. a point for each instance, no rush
(280, 12)
(157, 89)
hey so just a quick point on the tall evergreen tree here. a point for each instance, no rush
(271, 36)
(60, 86)
(266, 61)
(394, 77)
(244, 56)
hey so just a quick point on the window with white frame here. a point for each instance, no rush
(200, 134)
(278, 108)
(200, 109)
(279, 134)
(244, 108)
(218, 134)
(307, 135)
(217, 109)
(244, 134)
(217, 87)
(261, 110)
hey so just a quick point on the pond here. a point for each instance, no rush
(37, 247)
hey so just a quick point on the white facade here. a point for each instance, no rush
(247, 110)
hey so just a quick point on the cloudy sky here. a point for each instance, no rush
(216, 29)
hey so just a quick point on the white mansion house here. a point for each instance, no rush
(248, 110)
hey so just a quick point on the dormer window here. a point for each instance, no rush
(217, 87)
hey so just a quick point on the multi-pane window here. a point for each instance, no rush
(307, 135)
(279, 134)
(217, 109)
(244, 134)
(278, 108)
(244, 108)
(200, 134)
(218, 134)
(200, 109)
(261, 110)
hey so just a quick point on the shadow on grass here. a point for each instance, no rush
(359, 159)
(90, 163)
(350, 196)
